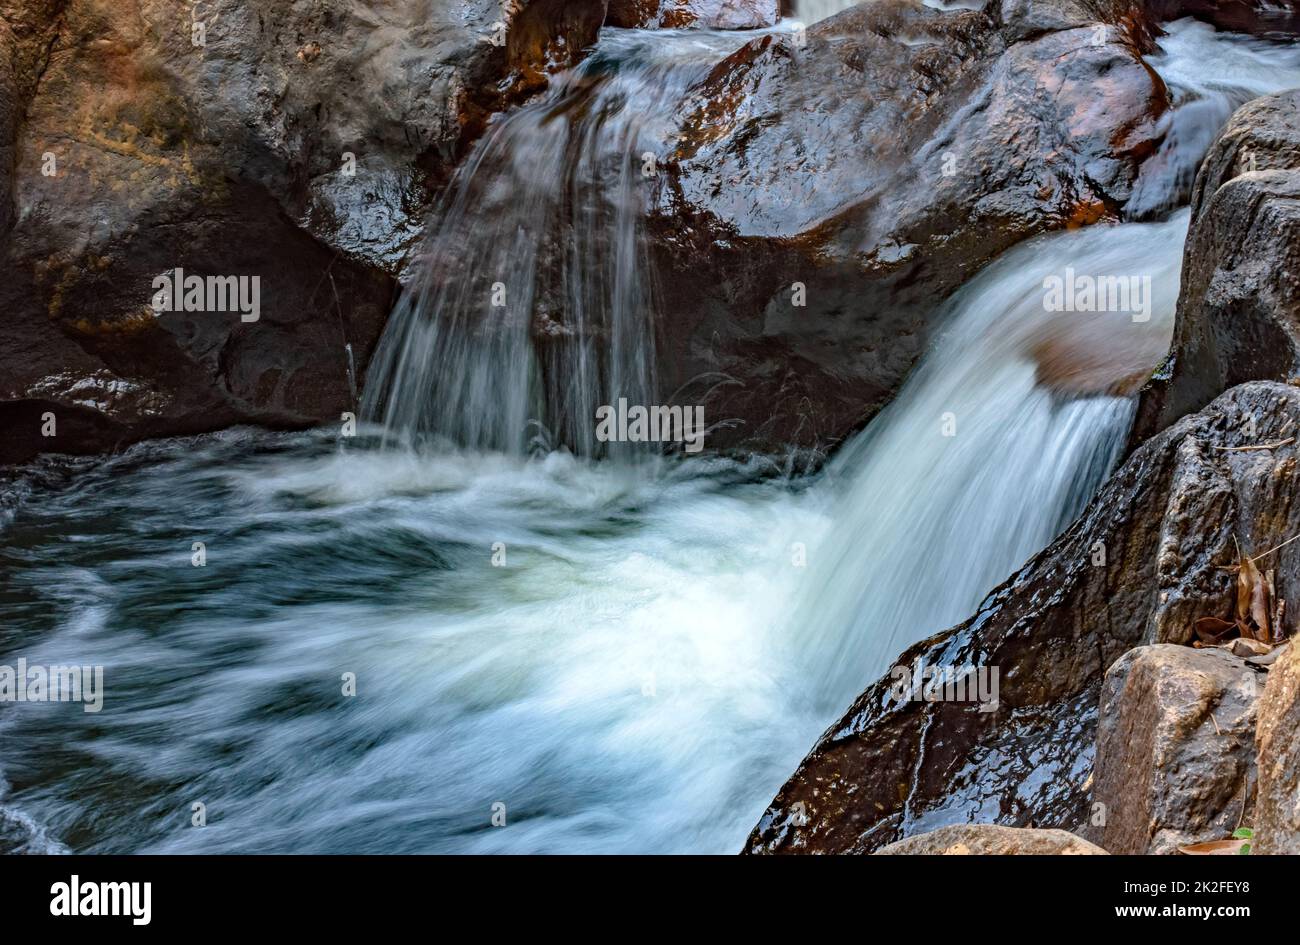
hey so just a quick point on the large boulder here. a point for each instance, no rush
(1175, 748)
(992, 840)
(705, 14)
(1239, 312)
(827, 188)
(299, 143)
(1277, 817)
(1154, 552)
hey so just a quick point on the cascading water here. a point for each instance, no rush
(977, 464)
(529, 309)
(606, 651)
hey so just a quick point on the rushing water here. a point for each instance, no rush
(541, 237)
(611, 656)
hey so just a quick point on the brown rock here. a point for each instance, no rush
(1277, 808)
(873, 167)
(992, 840)
(1175, 748)
(225, 151)
(1153, 552)
(706, 14)
(1239, 312)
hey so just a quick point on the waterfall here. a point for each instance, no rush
(530, 307)
(621, 662)
(993, 445)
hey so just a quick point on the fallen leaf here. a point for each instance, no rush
(1211, 629)
(1212, 848)
(1252, 601)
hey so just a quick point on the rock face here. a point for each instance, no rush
(298, 144)
(1260, 17)
(823, 196)
(1175, 748)
(707, 14)
(1239, 312)
(1152, 553)
(1277, 819)
(992, 840)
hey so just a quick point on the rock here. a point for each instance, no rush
(1175, 748)
(224, 146)
(1277, 807)
(1153, 552)
(822, 198)
(1274, 18)
(1238, 315)
(992, 840)
(706, 14)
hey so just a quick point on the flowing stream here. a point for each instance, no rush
(601, 655)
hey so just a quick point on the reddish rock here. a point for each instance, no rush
(706, 14)
(877, 166)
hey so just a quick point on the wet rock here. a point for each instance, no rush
(1153, 552)
(1270, 18)
(823, 196)
(1175, 748)
(706, 14)
(298, 144)
(1239, 311)
(992, 840)
(1277, 808)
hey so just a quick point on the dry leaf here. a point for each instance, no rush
(1213, 848)
(1252, 601)
(1211, 629)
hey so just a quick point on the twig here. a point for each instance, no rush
(1260, 446)
(1275, 548)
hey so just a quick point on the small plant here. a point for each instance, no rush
(1244, 833)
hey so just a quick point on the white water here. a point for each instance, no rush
(642, 673)
(927, 523)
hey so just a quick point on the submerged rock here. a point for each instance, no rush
(1153, 552)
(827, 190)
(1239, 312)
(992, 840)
(298, 144)
(1175, 748)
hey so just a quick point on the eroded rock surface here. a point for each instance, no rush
(824, 196)
(1153, 552)
(1239, 312)
(992, 840)
(1175, 748)
(706, 14)
(1277, 820)
(145, 138)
